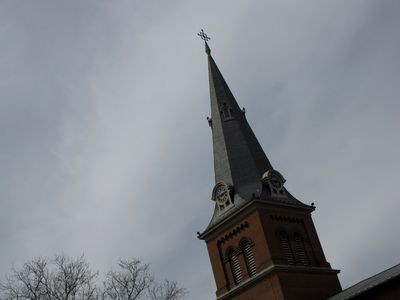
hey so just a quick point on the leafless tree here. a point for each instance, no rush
(65, 278)
(72, 280)
(27, 283)
(129, 282)
(167, 290)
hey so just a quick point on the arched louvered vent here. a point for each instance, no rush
(249, 258)
(285, 247)
(235, 266)
(300, 250)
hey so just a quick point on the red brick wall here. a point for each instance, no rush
(260, 226)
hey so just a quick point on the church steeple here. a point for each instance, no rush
(261, 240)
(239, 159)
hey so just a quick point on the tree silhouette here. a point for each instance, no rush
(65, 278)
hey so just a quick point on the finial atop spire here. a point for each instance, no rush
(205, 38)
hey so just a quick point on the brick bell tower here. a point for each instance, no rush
(261, 240)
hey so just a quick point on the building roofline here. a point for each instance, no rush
(368, 283)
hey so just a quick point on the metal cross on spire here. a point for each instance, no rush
(203, 36)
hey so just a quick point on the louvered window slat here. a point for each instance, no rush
(237, 274)
(285, 248)
(300, 250)
(249, 258)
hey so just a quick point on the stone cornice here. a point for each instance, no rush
(248, 207)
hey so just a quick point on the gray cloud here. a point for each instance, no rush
(104, 147)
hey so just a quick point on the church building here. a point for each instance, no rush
(261, 240)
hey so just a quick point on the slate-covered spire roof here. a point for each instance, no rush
(239, 159)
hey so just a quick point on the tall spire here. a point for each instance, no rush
(242, 171)
(239, 159)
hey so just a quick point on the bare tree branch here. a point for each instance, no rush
(129, 282)
(28, 282)
(68, 279)
(167, 290)
(65, 278)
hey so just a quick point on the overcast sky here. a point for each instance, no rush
(105, 148)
